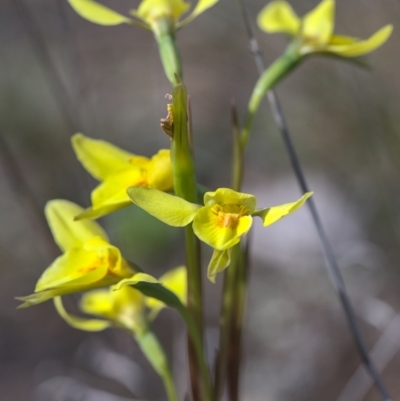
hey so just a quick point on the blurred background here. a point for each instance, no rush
(61, 74)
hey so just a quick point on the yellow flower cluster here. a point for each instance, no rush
(314, 32)
(89, 261)
(145, 16)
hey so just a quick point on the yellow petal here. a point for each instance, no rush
(159, 171)
(123, 307)
(318, 24)
(245, 223)
(111, 256)
(111, 195)
(361, 47)
(100, 158)
(97, 302)
(118, 182)
(112, 205)
(273, 214)
(342, 40)
(76, 268)
(201, 6)
(95, 264)
(170, 209)
(219, 261)
(36, 298)
(135, 279)
(150, 10)
(80, 322)
(97, 13)
(68, 233)
(128, 304)
(175, 281)
(215, 231)
(139, 161)
(224, 196)
(278, 16)
(78, 285)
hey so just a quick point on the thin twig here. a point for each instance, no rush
(331, 264)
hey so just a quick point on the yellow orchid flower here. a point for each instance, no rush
(119, 308)
(89, 260)
(124, 306)
(117, 170)
(224, 219)
(162, 17)
(314, 32)
(149, 11)
(147, 14)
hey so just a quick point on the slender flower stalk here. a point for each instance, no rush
(227, 318)
(151, 347)
(170, 295)
(271, 76)
(185, 187)
(127, 308)
(279, 69)
(168, 50)
(331, 263)
(236, 329)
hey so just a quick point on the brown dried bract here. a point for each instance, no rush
(167, 123)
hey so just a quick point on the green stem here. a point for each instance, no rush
(185, 186)
(226, 321)
(169, 53)
(195, 305)
(151, 347)
(161, 293)
(239, 299)
(197, 342)
(238, 152)
(272, 75)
